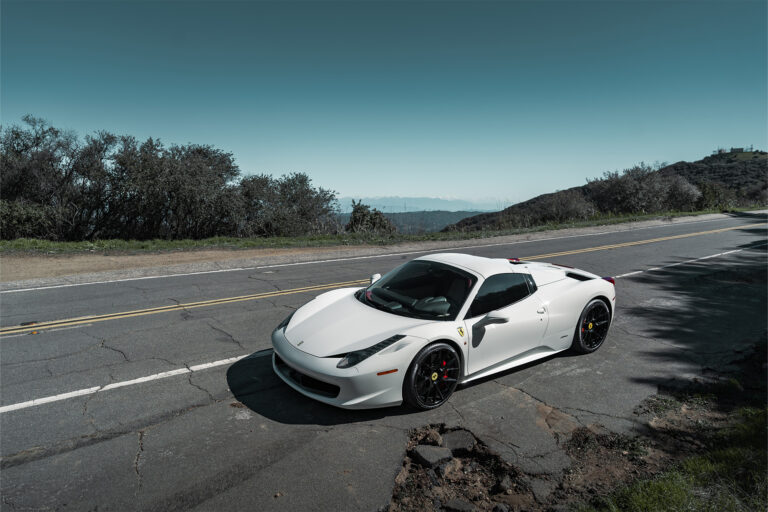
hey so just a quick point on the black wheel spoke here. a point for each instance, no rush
(437, 387)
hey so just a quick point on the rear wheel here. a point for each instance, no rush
(432, 376)
(592, 328)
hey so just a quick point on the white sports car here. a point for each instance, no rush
(435, 322)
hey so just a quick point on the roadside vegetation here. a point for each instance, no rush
(730, 477)
(718, 182)
(348, 238)
(60, 193)
(723, 427)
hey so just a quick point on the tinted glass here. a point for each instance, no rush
(498, 291)
(421, 289)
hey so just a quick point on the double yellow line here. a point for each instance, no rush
(21, 329)
(640, 242)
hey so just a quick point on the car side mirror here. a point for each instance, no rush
(375, 277)
(496, 317)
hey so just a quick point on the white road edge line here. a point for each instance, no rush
(265, 353)
(653, 269)
(115, 385)
(350, 258)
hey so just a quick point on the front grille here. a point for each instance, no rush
(305, 381)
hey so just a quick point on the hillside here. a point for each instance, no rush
(719, 181)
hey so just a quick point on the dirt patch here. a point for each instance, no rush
(17, 267)
(475, 479)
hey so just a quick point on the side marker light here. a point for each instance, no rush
(387, 372)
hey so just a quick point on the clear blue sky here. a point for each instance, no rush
(480, 100)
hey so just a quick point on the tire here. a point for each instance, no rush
(592, 328)
(432, 376)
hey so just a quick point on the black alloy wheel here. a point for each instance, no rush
(593, 327)
(432, 376)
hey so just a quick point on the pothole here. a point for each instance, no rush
(452, 470)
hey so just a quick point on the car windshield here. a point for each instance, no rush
(420, 289)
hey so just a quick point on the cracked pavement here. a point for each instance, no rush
(235, 437)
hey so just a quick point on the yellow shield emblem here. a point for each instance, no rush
(461, 331)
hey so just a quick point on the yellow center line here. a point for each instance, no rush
(19, 329)
(638, 242)
(176, 307)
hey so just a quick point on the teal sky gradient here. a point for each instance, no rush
(480, 100)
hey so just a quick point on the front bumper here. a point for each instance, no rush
(348, 388)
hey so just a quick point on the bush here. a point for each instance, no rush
(19, 219)
(364, 220)
(682, 195)
(716, 197)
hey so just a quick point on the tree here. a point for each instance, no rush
(364, 220)
(56, 186)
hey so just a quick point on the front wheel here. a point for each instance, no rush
(432, 376)
(592, 328)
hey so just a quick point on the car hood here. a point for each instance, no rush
(337, 323)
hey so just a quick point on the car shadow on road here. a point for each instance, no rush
(254, 384)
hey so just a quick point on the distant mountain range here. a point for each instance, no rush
(397, 204)
(719, 181)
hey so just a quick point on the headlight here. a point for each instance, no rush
(353, 358)
(285, 322)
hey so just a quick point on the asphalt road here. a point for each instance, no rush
(147, 409)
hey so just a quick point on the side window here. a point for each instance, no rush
(498, 291)
(531, 283)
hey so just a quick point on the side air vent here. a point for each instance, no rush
(578, 277)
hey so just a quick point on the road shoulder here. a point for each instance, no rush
(33, 271)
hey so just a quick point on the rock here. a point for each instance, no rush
(505, 484)
(541, 489)
(431, 456)
(458, 441)
(433, 478)
(459, 506)
(500, 507)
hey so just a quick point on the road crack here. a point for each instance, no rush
(104, 345)
(227, 334)
(137, 462)
(456, 410)
(265, 281)
(185, 313)
(189, 379)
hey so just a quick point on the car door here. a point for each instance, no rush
(516, 323)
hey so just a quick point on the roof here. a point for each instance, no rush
(478, 264)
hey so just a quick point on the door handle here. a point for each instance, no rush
(541, 310)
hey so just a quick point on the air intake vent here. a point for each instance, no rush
(578, 277)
